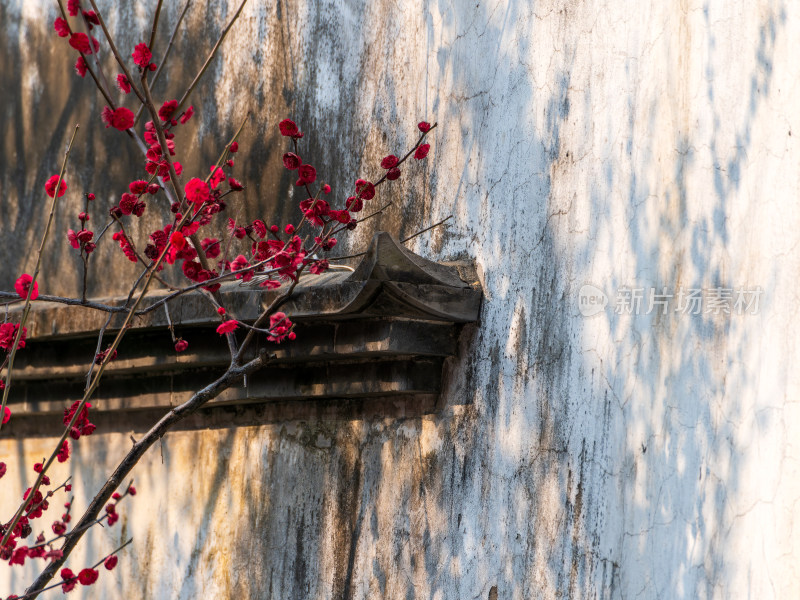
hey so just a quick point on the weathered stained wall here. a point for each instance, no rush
(611, 143)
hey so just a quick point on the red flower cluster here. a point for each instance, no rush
(81, 43)
(69, 580)
(123, 84)
(315, 210)
(35, 505)
(197, 191)
(280, 328)
(166, 110)
(239, 263)
(8, 332)
(111, 511)
(127, 249)
(120, 118)
(319, 267)
(131, 205)
(101, 356)
(211, 247)
(365, 189)
(227, 326)
(82, 425)
(289, 129)
(50, 186)
(156, 163)
(81, 67)
(142, 55)
(390, 164)
(63, 452)
(23, 284)
(81, 240)
(61, 27)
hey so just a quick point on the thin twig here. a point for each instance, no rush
(411, 237)
(155, 25)
(97, 350)
(403, 241)
(69, 301)
(169, 322)
(210, 56)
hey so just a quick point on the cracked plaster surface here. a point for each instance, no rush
(617, 456)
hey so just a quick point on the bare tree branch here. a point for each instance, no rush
(232, 376)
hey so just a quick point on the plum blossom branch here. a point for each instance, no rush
(109, 354)
(232, 376)
(290, 262)
(409, 153)
(103, 91)
(59, 191)
(95, 56)
(265, 314)
(179, 292)
(35, 593)
(162, 140)
(166, 55)
(97, 521)
(115, 52)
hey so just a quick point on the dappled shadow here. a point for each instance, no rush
(570, 456)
